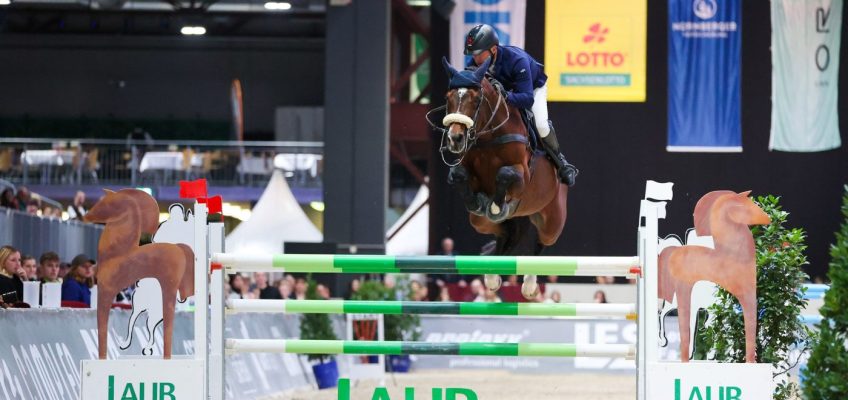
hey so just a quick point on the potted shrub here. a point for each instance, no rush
(401, 327)
(370, 290)
(319, 327)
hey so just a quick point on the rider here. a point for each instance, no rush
(524, 77)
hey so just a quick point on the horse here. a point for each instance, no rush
(122, 262)
(732, 264)
(502, 182)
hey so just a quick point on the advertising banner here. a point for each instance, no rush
(506, 16)
(595, 50)
(805, 38)
(704, 73)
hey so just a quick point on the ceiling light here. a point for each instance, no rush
(317, 205)
(5, 2)
(193, 30)
(277, 5)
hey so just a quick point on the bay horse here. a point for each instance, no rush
(121, 262)
(497, 174)
(731, 264)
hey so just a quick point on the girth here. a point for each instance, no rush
(504, 139)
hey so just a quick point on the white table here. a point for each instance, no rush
(46, 160)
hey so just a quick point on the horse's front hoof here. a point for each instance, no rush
(530, 289)
(492, 282)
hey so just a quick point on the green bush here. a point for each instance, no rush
(827, 368)
(780, 279)
(398, 327)
(316, 326)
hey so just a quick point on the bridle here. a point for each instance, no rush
(470, 123)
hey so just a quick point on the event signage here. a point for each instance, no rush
(595, 50)
(805, 88)
(143, 379)
(436, 393)
(709, 381)
(506, 16)
(704, 75)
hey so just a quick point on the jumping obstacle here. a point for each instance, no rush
(642, 267)
(402, 348)
(624, 310)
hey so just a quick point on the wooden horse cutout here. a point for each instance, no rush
(725, 216)
(121, 262)
(496, 174)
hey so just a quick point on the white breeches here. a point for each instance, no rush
(540, 110)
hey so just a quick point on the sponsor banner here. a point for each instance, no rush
(805, 39)
(704, 73)
(595, 50)
(137, 378)
(506, 16)
(709, 380)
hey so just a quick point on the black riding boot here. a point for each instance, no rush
(567, 173)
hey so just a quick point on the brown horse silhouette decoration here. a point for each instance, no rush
(497, 175)
(732, 263)
(121, 262)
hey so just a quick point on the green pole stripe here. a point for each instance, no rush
(559, 310)
(547, 349)
(427, 307)
(489, 349)
(316, 306)
(304, 262)
(372, 307)
(546, 266)
(489, 308)
(371, 347)
(490, 264)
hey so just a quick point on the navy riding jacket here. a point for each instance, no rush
(519, 72)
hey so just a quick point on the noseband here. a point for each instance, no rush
(470, 123)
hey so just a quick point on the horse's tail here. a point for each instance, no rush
(186, 287)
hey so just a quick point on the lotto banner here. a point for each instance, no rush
(805, 38)
(595, 50)
(704, 50)
(506, 16)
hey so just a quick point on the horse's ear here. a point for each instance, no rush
(481, 70)
(448, 67)
(107, 191)
(745, 194)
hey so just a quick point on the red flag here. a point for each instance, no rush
(193, 189)
(214, 204)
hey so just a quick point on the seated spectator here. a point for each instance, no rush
(300, 287)
(490, 296)
(77, 284)
(323, 291)
(32, 207)
(77, 209)
(418, 291)
(554, 298)
(11, 275)
(263, 290)
(285, 288)
(8, 199)
(63, 269)
(600, 297)
(477, 290)
(353, 288)
(238, 288)
(444, 294)
(23, 198)
(29, 267)
(48, 268)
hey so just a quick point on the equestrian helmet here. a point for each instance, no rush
(480, 38)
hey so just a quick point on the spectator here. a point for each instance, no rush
(32, 207)
(605, 280)
(29, 267)
(80, 279)
(263, 290)
(512, 280)
(63, 269)
(48, 267)
(23, 198)
(490, 296)
(323, 291)
(238, 288)
(285, 288)
(447, 249)
(555, 297)
(600, 297)
(477, 290)
(553, 278)
(77, 209)
(300, 287)
(444, 294)
(11, 275)
(8, 199)
(354, 287)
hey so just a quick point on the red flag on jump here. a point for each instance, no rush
(193, 189)
(214, 204)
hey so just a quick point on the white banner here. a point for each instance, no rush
(805, 80)
(709, 380)
(506, 16)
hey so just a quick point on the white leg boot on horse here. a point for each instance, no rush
(492, 282)
(530, 289)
